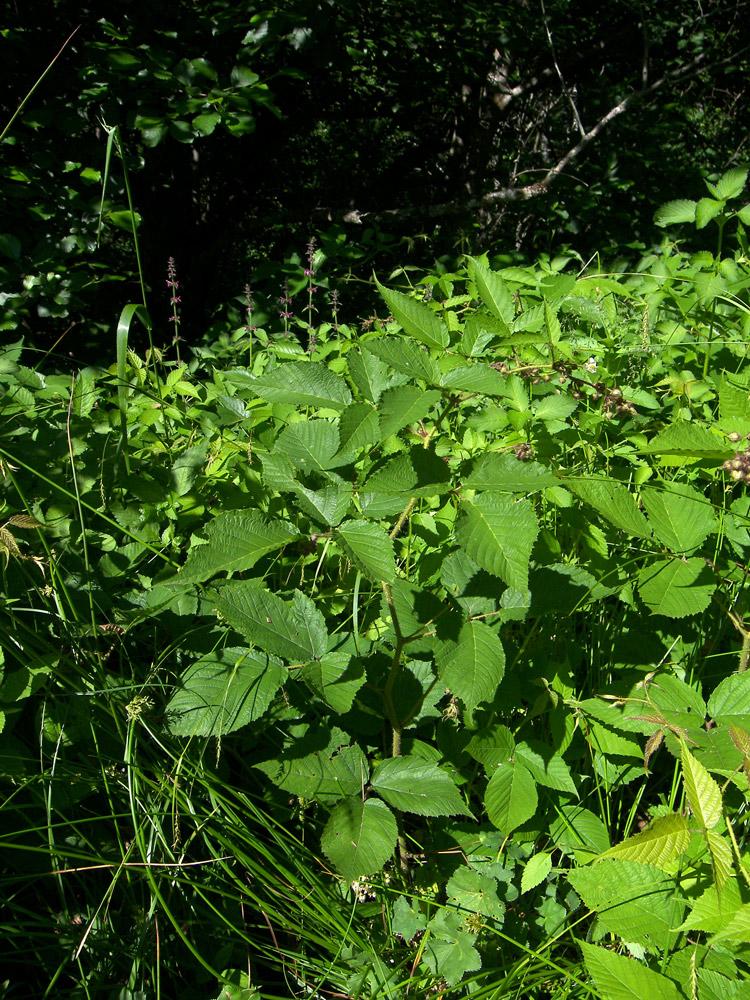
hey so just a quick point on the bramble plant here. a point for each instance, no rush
(428, 598)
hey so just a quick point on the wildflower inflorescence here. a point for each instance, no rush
(175, 300)
(739, 466)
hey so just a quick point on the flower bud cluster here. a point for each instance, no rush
(739, 466)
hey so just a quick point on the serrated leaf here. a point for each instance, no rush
(675, 212)
(681, 517)
(721, 858)
(319, 766)
(473, 666)
(685, 439)
(403, 406)
(676, 588)
(492, 746)
(369, 548)
(311, 445)
(451, 959)
(580, 829)
(223, 691)
(620, 978)
(554, 330)
(737, 929)
(732, 183)
(405, 921)
(368, 373)
(326, 506)
(664, 840)
(476, 378)
(236, 540)
(545, 766)
(406, 357)
(416, 473)
(703, 794)
(503, 473)
(359, 427)
(636, 902)
(510, 797)
(359, 837)
(730, 699)
(416, 318)
(412, 784)
(536, 870)
(705, 210)
(498, 533)
(296, 632)
(303, 383)
(613, 500)
(475, 893)
(335, 679)
(494, 293)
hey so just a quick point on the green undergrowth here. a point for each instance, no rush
(399, 661)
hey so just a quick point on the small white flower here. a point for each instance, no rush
(590, 365)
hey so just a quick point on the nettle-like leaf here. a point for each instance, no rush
(416, 318)
(335, 679)
(311, 445)
(510, 797)
(473, 666)
(665, 839)
(676, 588)
(492, 746)
(403, 406)
(475, 378)
(368, 373)
(682, 519)
(498, 533)
(546, 767)
(452, 956)
(721, 858)
(236, 540)
(536, 870)
(369, 548)
(406, 357)
(296, 631)
(303, 383)
(688, 440)
(224, 691)
(359, 428)
(494, 293)
(730, 700)
(619, 978)
(503, 473)
(418, 473)
(613, 501)
(319, 766)
(674, 212)
(412, 784)
(703, 794)
(637, 902)
(359, 837)
(731, 184)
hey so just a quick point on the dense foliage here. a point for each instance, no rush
(411, 659)
(400, 130)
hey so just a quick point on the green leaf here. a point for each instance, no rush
(223, 691)
(474, 893)
(311, 445)
(682, 519)
(416, 318)
(124, 219)
(403, 406)
(335, 679)
(580, 829)
(359, 427)
(737, 929)
(451, 958)
(406, 357)
(510, 797)
(494, 292)
(206, 123)
(705, 210)
(536, 870)
(730, 699)
(412, 784)
(674, 212)
(721, 858)
(236, 540)
(297, 633)
(304, 383)
(503, 473)
(477, 378)
(554, 331)
(498, 533)
(664, 840)
(676, 588)
(369, 548)
(685, 439)
(545, 766)
(703, 794)
(314, 769)
(359, 837)
(492, 746)
(368, 373)
(732, 183)
(474, 666)
(613, 500)
(620, 978)
(418, 473)
(327, 506)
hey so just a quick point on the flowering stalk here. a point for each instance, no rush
(174, 301)
(311, 288)
(286, 301)
(250, 327)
